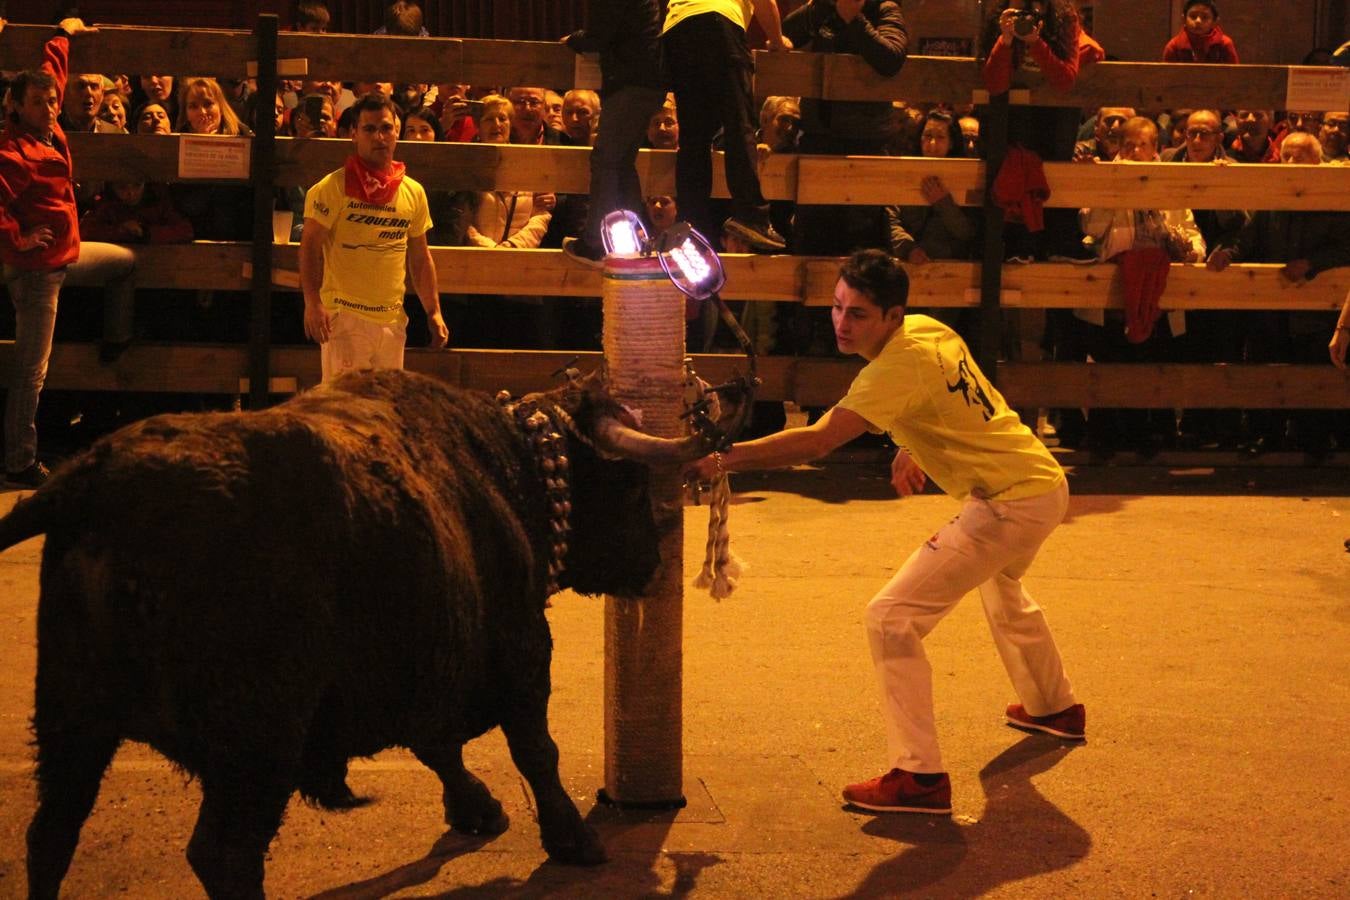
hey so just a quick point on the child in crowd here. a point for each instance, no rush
(1201, 39)
(132, 212)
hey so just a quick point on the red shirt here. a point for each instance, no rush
(1215, 47)
(1060, 73)
(37, 185)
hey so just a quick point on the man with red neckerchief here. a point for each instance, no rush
(365, 226)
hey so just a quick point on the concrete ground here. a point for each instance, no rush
(1204, 617)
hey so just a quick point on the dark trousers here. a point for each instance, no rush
(614, 178)
(710, 67)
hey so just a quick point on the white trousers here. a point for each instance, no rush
(989, 545)
(357, 343)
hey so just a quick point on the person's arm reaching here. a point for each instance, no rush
(789, 447)
(766, 14)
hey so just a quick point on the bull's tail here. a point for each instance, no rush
(29, 518)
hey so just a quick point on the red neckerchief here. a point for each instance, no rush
(370, 184)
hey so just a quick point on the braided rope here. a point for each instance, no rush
(721, 568)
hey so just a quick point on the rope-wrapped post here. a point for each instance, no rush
(644, 653)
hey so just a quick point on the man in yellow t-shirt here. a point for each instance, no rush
(365, 227)
(922, 387)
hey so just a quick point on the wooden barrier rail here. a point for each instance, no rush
(794, 279)
(850, 180)
(832, 76)
(807, 381)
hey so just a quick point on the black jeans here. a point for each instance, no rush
(614, 178)
(709, 65)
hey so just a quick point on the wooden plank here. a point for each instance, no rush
(125, 48)
(1146, 386)
(956, 79)
(848, 180)
(218, 369)
(840, 77)
(879, 180)
(206, 265)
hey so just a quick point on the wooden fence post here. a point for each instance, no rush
(991, 260)
(261, 171)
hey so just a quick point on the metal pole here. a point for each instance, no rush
(261, 170)
(644, 654)
(991, 260)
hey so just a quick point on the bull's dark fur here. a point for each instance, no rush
(262, 596)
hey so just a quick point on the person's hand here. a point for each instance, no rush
(933, 189)
(1082, 153)
(917, 257)
(1219, 260)
(848, 9)
(73, 26)
(318, 323)
(762, 153)
(132, 229)
(547, 202)
(1340, 340)
(781, 45)
(39, 238)
(701, 471)
(440, 332)
(906, 476)
(459, 108)
(1296, 270)
(3, 23)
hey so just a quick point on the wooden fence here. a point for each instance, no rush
(264, 268)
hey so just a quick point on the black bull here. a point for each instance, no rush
(261, 597)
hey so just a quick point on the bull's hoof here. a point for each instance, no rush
(481, 822)
(582, 848)
(335, 797)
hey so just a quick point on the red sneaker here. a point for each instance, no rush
(897, 791)
(1070, 724)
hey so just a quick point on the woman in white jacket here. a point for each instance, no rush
(516, 219)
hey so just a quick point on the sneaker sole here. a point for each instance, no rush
(930, 810)
(1045, 729)
(754, 240)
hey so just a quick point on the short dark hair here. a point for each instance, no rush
(878, 275)
(374, 102)
(19, 84)
(312, 12)
(403, 17)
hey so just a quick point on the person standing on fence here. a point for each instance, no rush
(627, 35)
(922, 385)
(365, 227)
(40, 246)
(708, 60)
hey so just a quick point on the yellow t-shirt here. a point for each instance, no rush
(925, 390)
(739, 12)
(365, 251)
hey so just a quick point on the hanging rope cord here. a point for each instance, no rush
(722, 569)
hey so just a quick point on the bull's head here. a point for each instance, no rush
(612, 545)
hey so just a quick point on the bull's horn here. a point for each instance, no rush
(616, 438)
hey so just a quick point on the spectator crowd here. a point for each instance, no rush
(1035, 35)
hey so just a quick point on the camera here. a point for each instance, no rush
(1024, 23)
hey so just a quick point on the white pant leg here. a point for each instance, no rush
(1019, 627)
(983, 541)
(357, 343)
(389, 347)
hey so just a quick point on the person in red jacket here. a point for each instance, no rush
(40, 246)
(1201, 39)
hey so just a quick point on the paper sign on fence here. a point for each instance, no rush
(213, 156)
(1318, 89)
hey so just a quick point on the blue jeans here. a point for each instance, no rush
(34, 295)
